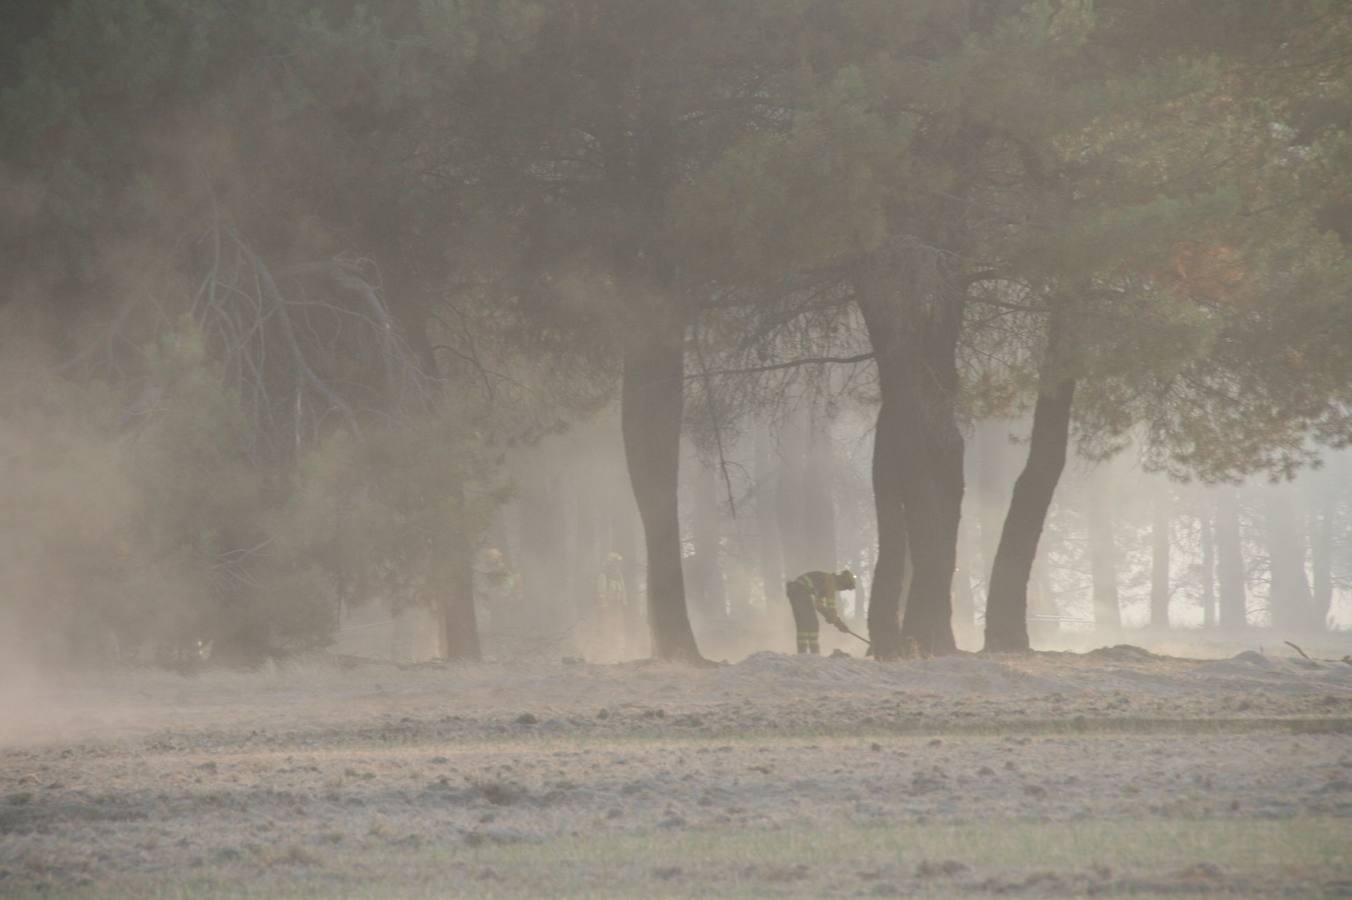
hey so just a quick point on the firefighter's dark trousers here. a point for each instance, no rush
(804, 616)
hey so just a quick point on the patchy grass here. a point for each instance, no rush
(1049, 775)
(1307, 857)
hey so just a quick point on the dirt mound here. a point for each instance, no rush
(942, 675)
(1248, 664)
(810, 668)
(978, 675)
(1122, 653)
(1252, 669)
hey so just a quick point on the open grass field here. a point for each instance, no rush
(1113, 772)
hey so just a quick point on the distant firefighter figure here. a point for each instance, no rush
(812, 593)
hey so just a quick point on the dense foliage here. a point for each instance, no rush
(282, 280)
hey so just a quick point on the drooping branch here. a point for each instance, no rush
(302, 365)
(716, 424)
(302, 341)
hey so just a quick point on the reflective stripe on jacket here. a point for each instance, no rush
(822, 586)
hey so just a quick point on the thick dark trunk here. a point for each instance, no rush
(651, 406)
(459, 625)
(1291, 603)
(1230, 578)
(1007, 605)
(1103, 554)
(932, 485)
(916, 353)
(1159, 563)
(889, 575)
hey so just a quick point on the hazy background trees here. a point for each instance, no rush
(575, 327)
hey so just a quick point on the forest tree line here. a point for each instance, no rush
(1126, 555)
(291, 290)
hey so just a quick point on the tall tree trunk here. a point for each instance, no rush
(916, 353)
(932, 485)
(1007, 604)
(1208, 568)
(1159, 563)
(651, 407)
(889, 575)
(1103, 553)
(1230, 580)
(1291, 602)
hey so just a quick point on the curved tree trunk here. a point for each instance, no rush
(651, 405)
(1007, 605)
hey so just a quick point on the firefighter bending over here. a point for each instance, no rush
(812, 593)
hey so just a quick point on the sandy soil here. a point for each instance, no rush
(1113, 772)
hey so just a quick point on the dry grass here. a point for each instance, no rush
(1040, 776)
(1305, 857)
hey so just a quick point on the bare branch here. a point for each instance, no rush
(791, 364)
(298, 359)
